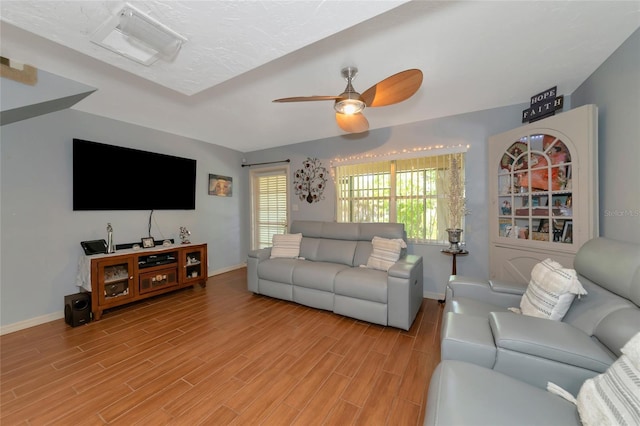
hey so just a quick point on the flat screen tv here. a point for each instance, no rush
(108, 177)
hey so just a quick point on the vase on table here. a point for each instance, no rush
(454, 239)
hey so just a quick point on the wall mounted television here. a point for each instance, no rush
(108, 177)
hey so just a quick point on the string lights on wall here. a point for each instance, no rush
(400, 154)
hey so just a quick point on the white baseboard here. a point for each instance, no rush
(432, 295)
(227, 269)
(32, 322)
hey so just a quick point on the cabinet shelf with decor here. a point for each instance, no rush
(115, 280)
(131, 275)
(192, 263)
(543, 190)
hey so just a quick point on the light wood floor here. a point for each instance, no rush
(219, 355)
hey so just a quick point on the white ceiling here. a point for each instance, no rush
(241, 55)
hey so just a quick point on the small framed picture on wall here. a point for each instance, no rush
(220, 186)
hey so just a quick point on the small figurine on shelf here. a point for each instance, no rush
(184, 235)
(111, 248)
(506, 208)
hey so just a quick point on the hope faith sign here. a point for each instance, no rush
(544, 104)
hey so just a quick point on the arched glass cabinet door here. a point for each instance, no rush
(543, 192)
(534, 190)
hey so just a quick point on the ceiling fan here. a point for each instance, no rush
(349, 104)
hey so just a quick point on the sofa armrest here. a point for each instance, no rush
(497, 293)
(404, 286)
(509, 287)
(253, 259)
(404, 266)
(553, 340)
(260, 254)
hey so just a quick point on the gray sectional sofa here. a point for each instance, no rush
(486, 349)
(328, 273)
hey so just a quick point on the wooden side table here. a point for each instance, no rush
(454, 254)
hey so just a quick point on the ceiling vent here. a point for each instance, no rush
(136, 36)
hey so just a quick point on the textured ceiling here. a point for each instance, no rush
(225, 38)
(241, 55)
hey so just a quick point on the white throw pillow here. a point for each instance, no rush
(613, 397)
(385, 252)
(286, 245)
(632, 350)
(551, 291)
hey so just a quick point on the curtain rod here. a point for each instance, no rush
(268, 162)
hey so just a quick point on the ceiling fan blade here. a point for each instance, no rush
(307, 98)
(352, 123)
(394, 89)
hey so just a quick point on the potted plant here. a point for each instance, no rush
(456, 204)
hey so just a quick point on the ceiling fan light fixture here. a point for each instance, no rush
(349, 106)
(350, 101)
(137, 36)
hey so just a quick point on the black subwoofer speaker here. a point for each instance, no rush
(77, 309)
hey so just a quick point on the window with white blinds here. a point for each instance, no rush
(411, 191)
(270, 212)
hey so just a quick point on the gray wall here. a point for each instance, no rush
(40, 240)
(469, 129)
(615, 88)
(40, 233)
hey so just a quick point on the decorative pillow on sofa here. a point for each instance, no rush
(385, 252)
(613, 397)
(286, 245)
(551, 291)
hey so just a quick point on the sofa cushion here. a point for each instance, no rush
(586, 313)
(286, 245)
(466, 394)
(331, 230)
(617, 328)
(362, 283)
(613, 398)
(326, 250)
(385, 230)
(385, 252)
(309, 248)
(336, 251)
(308, 228)
(316, 275)
(551, 291)
(622, 272)
(363, 251)
(278, 270)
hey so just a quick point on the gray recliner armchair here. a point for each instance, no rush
(478, 328)
(496, 364)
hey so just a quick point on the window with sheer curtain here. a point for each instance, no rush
(411, 191)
